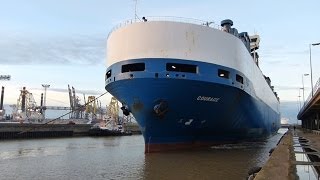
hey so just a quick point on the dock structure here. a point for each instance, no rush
(297, 156)
(28, 130)
(309, 114)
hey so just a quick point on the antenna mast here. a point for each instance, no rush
(135, 10)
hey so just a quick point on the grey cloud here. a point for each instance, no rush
(81, 91)
(289, 109)
(282, 55)
(284, 52)
(78, 49)
(287, 87)
(275, 62)
(90, 92)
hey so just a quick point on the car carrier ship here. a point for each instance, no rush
(189, 84)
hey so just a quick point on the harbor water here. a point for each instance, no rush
(124, 158)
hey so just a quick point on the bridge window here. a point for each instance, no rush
(108, 74)
(133, 67)
(189, 68)
(223, 73)
(239, 78)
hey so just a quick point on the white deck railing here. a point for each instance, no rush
(211, 24)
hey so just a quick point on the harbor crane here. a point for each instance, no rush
(26, 108)
(77, 110)
(2, 110)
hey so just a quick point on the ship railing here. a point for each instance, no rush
(316, 88)
(211, 24)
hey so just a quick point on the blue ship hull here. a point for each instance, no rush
(200, 109)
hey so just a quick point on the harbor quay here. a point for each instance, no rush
(23, 131)
(295, 157)
(16, 130)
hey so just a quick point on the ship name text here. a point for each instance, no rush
(206, 98)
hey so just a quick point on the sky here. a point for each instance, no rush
(61, 42)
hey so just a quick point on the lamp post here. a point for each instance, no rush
(314, 44)
(299, 102)
(302, 97)
(44, 99)
(303, 86)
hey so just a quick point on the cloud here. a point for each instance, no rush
(285, 52)
(287, 87)
(81, 91)
(78, 49)
(289, 109)
(280, 55)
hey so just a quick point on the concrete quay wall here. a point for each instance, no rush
(279, 166)
(16, 130)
